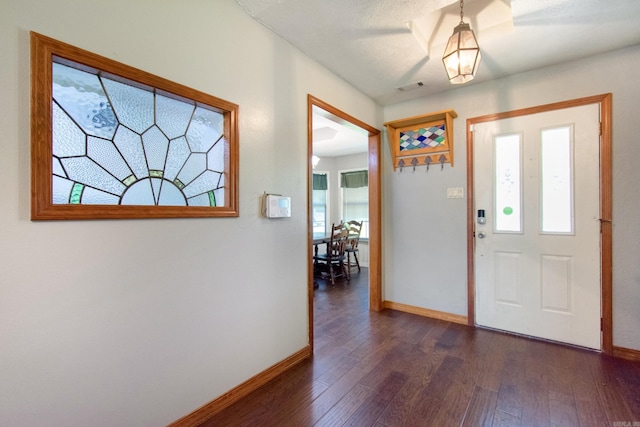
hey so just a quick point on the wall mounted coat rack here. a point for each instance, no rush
(422, 140)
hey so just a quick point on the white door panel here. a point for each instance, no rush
(538, 268)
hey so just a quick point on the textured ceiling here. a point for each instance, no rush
(381, 45)
(369, 43)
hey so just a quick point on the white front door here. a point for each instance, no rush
(537, 255)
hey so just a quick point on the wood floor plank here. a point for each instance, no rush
(562, 410)
(312, 413)
(299, 400)
(336, 370)
(345, 408)
(617, 402)
(415, 332)
(373, 357)
(560, 379)
(505, 419)
(591, 413)
(535, 403)
(257, 404)
(585, 390)
(588, 405)
(456, 397)
(397, 369)
(371, 409)
(397, 412)
(391, 362)
(272, 416)
(429, 404)
(628, 376)
(450, 338)
(432, 335)
(482, 407)
(510, 399)
(442, 378)
(613, 402)
(490, 362)
(427, 365)
(423, 411)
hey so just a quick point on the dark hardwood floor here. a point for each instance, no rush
(398, 369)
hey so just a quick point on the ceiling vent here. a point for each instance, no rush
(408, 87)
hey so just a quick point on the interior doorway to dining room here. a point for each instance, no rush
(341, 144)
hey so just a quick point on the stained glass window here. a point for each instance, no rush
(427, 137)
(109, 148)
(121, 138)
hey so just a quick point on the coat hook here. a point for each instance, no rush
(414, 162)
(401, 164)
(427, 161)
(442, 159)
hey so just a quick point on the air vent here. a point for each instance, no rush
(410, 86)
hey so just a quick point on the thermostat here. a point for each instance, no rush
(277, 206)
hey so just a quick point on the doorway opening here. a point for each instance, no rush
(315, 107)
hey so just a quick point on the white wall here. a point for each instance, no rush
(140, 322)
(425, 233)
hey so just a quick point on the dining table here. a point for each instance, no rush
(317, 241)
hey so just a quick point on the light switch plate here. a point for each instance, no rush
(455, 193)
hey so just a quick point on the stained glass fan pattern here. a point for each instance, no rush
(115, 143)
(428, 137)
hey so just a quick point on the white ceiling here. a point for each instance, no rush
(370, 43)
(334, 137)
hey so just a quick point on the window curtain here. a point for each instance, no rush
(355, 179)
(319, 181)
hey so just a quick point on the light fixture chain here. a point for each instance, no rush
(461, 12)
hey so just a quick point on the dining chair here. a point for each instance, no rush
(333, 262)
(353, 228)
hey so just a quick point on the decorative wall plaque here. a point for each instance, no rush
(422, 140)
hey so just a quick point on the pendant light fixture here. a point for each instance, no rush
(462, 55)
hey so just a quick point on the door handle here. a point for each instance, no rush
(481, 235)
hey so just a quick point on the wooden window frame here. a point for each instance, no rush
(43, 51)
